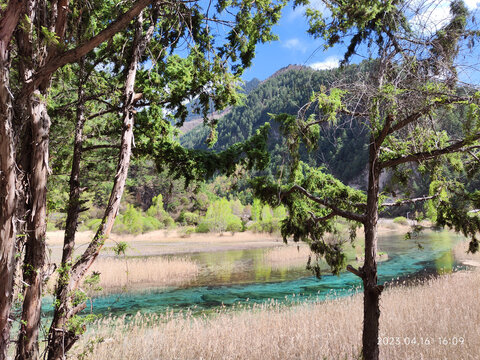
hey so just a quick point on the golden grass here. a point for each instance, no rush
(440, 310)
(460, 253)
(288, 256)
(117, 274)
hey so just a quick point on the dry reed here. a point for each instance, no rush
(141, 273)
(288, 256)
(423, 320)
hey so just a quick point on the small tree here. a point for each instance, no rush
(404, 99)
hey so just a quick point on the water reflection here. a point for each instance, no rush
(244, 276)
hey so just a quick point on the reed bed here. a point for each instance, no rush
(288, 256)
(117, 274)
(427, 318)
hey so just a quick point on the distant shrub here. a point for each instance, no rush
(187, 231)
(402, 220)
(93, 224)
(234, 224)
(157, 211)
(203, 227)
(150, 224)
(133, 220)
(188, 218)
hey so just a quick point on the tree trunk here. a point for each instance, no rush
(7, 209)
(56, 333)
(8, 23)
(27, 346)
(371, 300)
(61, 339)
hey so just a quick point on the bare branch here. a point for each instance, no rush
(424, 111)
(354, 271)
(323, 218)
(426, 155)
(101, 146)
(335, 210)
(410, 201)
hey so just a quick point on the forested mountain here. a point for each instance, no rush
(341, 148)
(194, 119)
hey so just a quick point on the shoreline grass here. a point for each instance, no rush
(430, 309)
(129, 274)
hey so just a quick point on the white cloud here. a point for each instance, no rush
(329, 63)
(295, 44)
(472, 4)
(299, 11)
(429, 16)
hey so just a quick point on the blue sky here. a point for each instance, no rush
(295, 46)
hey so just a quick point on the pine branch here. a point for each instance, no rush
(335, 210)
(459, 146)
(424, 111)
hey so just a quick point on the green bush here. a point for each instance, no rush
(234, 224)
(188, 218)
(157, 211)
(203, 227)
(93, 224)
(133, 220)
(402, 220)
(150, 224)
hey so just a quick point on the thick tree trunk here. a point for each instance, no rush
(7, 209)
(8, 23)
(371, 300)
(27, 346)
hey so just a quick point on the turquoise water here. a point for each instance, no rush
(233, 277)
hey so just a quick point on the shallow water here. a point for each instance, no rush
(242, 276)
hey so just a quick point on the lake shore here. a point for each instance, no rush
(175, 242)
(426, 320)
(161, 258)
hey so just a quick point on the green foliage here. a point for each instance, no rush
(120, 248)
(342, 150)
(303, 212)
(133, 220)
(203, 227)
(188, 218)
(92, 281)
(401, 220)
(78, 324)
(220, 218)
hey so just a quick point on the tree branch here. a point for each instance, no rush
(426, 155)
(101, 146)
(425, 110)
(354, 271)
(73, 55)
(335, 210)
(323, 218)
(410, 201)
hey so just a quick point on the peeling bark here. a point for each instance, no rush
(27, 346)
(61, 338)
(8, 22)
